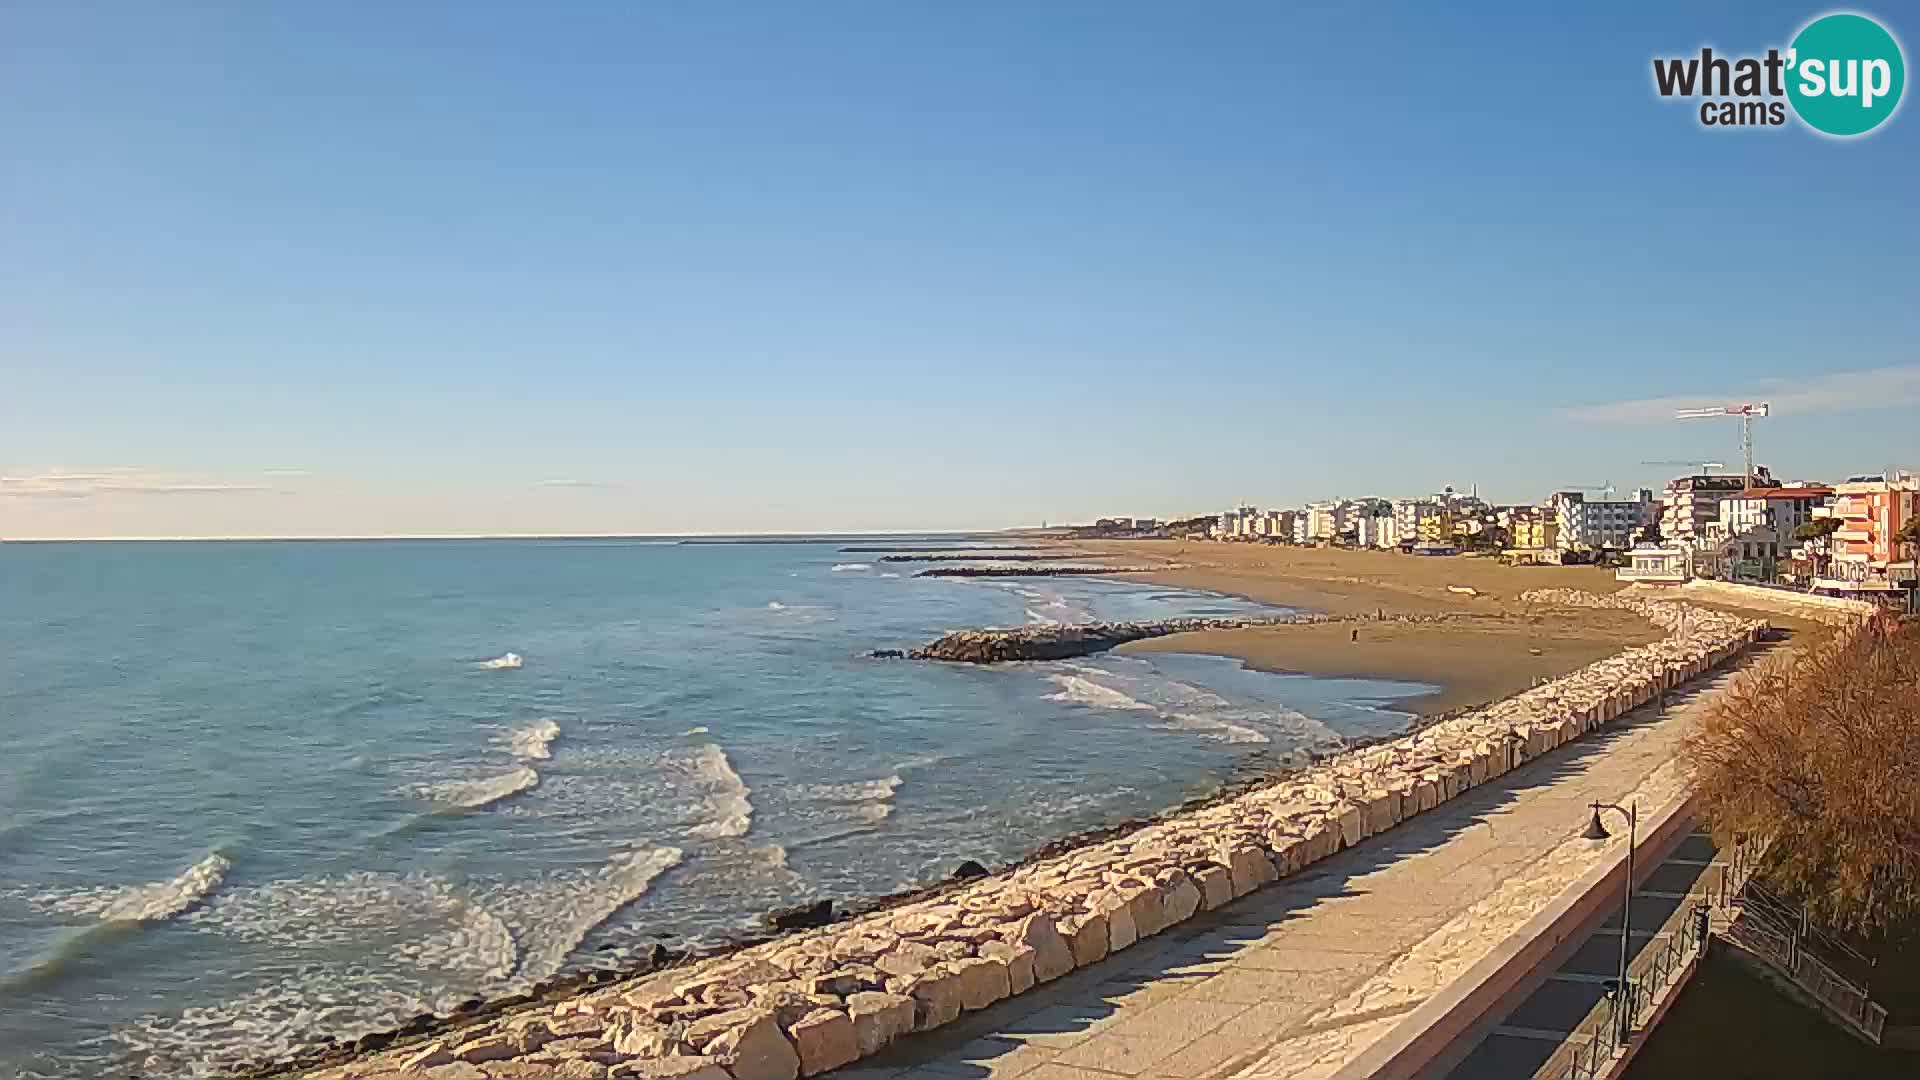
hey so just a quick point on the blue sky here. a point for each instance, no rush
(444, 268)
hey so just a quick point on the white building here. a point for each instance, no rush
(1781, 508)
(1690, 503)
(1409, 513)
(1602, 524)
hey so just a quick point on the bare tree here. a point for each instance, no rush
(1821, 752)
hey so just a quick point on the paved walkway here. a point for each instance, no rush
(1297, 979)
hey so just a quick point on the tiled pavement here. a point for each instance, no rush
(1297, 979)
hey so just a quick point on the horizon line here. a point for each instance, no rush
(363, 537)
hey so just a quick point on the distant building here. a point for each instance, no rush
(1782, 508)
(1532, 528)
(1409, 513)
(1584, 524)
(1374, 531)
(1866, 558)
(1659, 564)
(1691, 502)
(1330, 520)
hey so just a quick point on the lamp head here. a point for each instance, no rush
(1595, 830)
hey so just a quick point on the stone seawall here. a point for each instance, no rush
(814, 1001)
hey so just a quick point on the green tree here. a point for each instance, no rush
(1815, 534)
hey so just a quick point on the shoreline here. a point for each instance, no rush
(1491, 645)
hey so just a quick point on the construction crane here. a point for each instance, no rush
(1746, 411)
(1607, 488)
(1703, 466)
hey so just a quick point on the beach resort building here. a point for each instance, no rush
(1867, 560)
(1532, 528)
(1658, 564)
(1781, 508)
(1330, 520)
(1374, 531)
(1408, 515)
(1690, 503)
(1583, 524)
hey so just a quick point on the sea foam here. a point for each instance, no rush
(533, 742)
(505, 661)
(729, 811)
(1084, 691)
(156, 902)
(554, 916)
(473, 794)
(849, 567)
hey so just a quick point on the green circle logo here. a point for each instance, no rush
(1845, 74)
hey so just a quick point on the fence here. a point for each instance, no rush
(1755, 919)
(1590, 1049)
(1830, 970)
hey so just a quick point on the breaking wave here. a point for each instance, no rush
(846, 567)
(157, 902)
(729, 812)
(1084, 691)
(533, 742)
(503, 661)
(1215, 728)
(553, 916)
(476, 793)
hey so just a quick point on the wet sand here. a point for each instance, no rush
(1493, 646)
(1472, 660)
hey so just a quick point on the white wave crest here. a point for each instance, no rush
(476, 793)
(535, 741)
(505, 661)
(729, 811)
(850, 567)
(1213, 727)
(1083, 691)
(556, 915)
(157, 902)
(775, 605)
(859, 791)
(699, 729)
(888, 573)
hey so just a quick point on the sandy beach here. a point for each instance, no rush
(1494, 645)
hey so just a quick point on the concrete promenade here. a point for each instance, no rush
(1300, 978)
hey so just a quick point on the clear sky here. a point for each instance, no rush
(312, 269)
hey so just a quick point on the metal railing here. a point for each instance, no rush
(1590, 1049)
(1829, 970)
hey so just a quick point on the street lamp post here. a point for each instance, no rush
(1623, 1008)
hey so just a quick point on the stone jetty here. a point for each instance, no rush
(1052, 641)
(1074, 570)
(974, 556)
(819, 999)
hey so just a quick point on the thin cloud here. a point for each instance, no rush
(590, 484)
(1877, 388)
(69, 484)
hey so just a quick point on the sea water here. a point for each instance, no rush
(254, 794)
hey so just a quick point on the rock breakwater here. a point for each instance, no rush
(817, 1000)
(1062, 642)
(1074, 570)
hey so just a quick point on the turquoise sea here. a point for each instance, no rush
(252, 794)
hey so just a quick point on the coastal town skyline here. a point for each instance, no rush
(310, 272)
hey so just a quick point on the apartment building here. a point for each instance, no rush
(1866, 557)
(1691, 503)
(1584, 524)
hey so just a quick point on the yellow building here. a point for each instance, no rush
(1437, 528)
(1537, 530)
